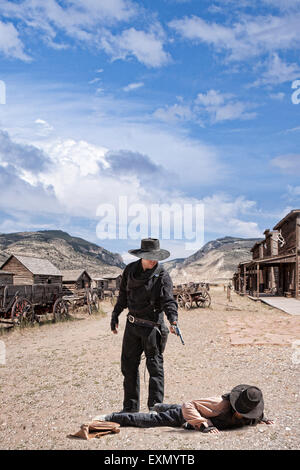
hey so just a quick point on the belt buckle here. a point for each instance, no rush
(131, 318)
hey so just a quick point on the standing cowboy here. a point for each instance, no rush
(147, 291)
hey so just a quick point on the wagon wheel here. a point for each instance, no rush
(60, 309)
(93, 302)
(22, 311)
(181, 300)
(205, 301)
(96, 302)
(113, 299)
(188, 301)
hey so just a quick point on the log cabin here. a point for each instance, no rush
(113, 282)
(29, 270)
(75, 281)
(6, 278)
(275, 265)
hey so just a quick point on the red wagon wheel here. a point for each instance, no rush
(22, 311)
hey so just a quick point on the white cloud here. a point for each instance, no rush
(293, 191)
(289, 163)
(278, 71)
(214, 105)
(89, 22)
(133, 86)
(283, 4)
(146, 47)
(44, 128)
(10, 42)
(174, 113)
(248, 37)
(277, 96)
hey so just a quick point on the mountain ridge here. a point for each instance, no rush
(63, 250)
(216, 261)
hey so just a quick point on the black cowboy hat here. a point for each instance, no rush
(150, 249)
(247, 400)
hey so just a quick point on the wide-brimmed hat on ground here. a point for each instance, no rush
(150, 249)
(247, 400)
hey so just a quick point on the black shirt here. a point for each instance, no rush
(163, 289)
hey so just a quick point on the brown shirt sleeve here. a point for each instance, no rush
(197, 412)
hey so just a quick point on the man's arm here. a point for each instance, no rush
(121, 303)
(192, 414)
(167, 301)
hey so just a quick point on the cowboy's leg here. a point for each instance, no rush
(172, 417)
(155, 366)
(130, 360)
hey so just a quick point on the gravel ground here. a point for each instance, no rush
(58, 376)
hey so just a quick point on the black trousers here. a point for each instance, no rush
(171, 416)
(136, 340)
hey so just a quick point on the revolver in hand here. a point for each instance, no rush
(178, 332)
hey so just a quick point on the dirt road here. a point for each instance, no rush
(58, 376)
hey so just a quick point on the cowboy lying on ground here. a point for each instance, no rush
(243, 406)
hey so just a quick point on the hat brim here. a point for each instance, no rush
(255, 413)
(152, 255)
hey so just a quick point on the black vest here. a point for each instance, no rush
(143, 295)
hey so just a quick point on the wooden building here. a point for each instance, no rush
(30, 270)
(275, 265)
(99, 283)
(113, 282)
(6, 278)
(75, 280)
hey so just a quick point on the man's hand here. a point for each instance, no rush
(267, 421)
(172, 330)
(114, 325)
(209, 428)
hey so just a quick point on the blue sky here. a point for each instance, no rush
(173, 101)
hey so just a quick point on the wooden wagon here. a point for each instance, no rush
(107, 288)
(192, 293)
(25, 303)
(87, 296)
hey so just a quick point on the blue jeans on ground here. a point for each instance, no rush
(170, 416)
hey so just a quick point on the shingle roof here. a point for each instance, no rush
(73, 274)
(111, 277)
(38, 265)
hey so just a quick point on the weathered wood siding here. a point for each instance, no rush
(6, 279)
(21, 274)
(288, 231)
(271, 244)
(45, 279)
(255, 252)
(77, 287)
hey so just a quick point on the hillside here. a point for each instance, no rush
(216, 261)
(63, 250)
